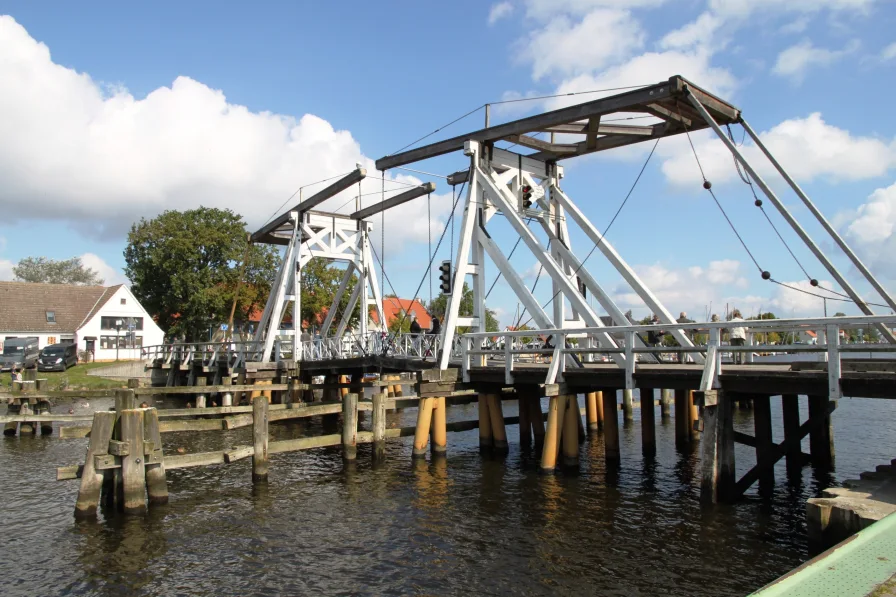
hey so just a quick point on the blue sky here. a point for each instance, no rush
(114, 112)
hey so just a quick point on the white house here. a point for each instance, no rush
(98, 319)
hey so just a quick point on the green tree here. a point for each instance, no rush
(184, 268)
(51, 271)
(767, 337)
(439, 305)
(320, 283)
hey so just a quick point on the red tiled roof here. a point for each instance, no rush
(393, 307)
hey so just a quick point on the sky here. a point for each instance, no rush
(112, 112)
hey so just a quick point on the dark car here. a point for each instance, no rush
(19, 353)
(58, 357)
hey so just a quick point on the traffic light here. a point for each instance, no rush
(527, 196)
(445, 277)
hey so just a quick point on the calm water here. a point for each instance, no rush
(468, 525)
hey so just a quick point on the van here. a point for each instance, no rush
(21, 353)
(58, 357)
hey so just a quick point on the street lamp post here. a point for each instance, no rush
(117, 337)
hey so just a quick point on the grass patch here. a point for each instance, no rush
(75, 378)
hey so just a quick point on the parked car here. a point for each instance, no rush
(21, 353)
(58, 357)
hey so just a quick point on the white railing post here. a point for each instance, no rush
(465, 358)
(833, 354)
(749, 355)
(820, 340)
(508, 359)
(629, 361)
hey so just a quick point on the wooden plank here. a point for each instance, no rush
(206, 390)
(237, 421)
(304, 443)
(395, 201)
(191, 460)
(191, 425)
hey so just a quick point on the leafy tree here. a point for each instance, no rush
(51, 271)
(320, 283)
(185, 266)
(769, 337)
(439, 306)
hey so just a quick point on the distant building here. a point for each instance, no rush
(105, 321)
(394, 308)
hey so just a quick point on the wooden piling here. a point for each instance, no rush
(525, 426)
(717, 446)
(424, 421)
(790, 411)
(439, 433)
(556, 411)
(343, 391)
(133, 473)
(591, 411)
(91, 477)
(648, 422)
(379, 426)
(125, 400)
(570, 435)
(485, 425)
(682, 415)
(536, 420)
(765, 448)
(201, 381)
(260, 439)
(611, 427)
(156, 481)
(350, 426)
(43, 408)
(821, 434)
(26, 427)
(227, 397)
(693, 416)
(499, 432)
(627, 409)
(666, 399)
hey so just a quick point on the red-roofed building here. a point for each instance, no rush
(394, 308)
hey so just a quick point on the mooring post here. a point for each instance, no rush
(439, 434)
(133, 383)
(201, 381)
(790, 413)
(611, 427)
(91, 477)
(717, 446)
(424, 421)
(525, 426)
(591, 411)
(762, 423)
(499, 432)
(350, 426)
(648, 422)
(125, 400)
(666, 403)
(226, 396)
(693, 416)
(26, 427)
(43, 408)
(627, 410)
(379, 425)
(156, 481)
(570, 435)
(556, 411)
(682, 415)
(485, 425)
(821, 433)
(260, 437)
(133, 471)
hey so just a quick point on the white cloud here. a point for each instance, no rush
(499, 11)
(796, 60)
(796, 26)
(566, 47)
(808, 148)
(101, 159)
(786, 301)
(741, 9)
(545, 9)
(696, 33)
(870, 230)
(888, 53)
(6, 269)
(109, 274)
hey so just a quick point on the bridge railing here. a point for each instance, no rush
(481, 346)
(205, 353)
(423, 346)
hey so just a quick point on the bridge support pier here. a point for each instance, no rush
(439, 432)
(485, 425)
(499, 432)
(570, 436)
(424, 421)
(821, 435)
(592, 412)
(717, 446)
(556, 416)
(682, 416)
(762, 423)
(611, 428)
(379, 426)
(790, 411)
(525, 424)
(666, 404)
(627, 412)
(536, 419)
(648, 422)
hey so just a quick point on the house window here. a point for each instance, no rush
(124, 301)
(51, 316)
(109, 323)
(51, 339)
(122, 341)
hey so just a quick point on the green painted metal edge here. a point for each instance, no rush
(856, 567)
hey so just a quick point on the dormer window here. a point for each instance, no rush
(51, 316)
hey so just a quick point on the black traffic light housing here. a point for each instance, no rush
(527, 196)
(445, 277)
